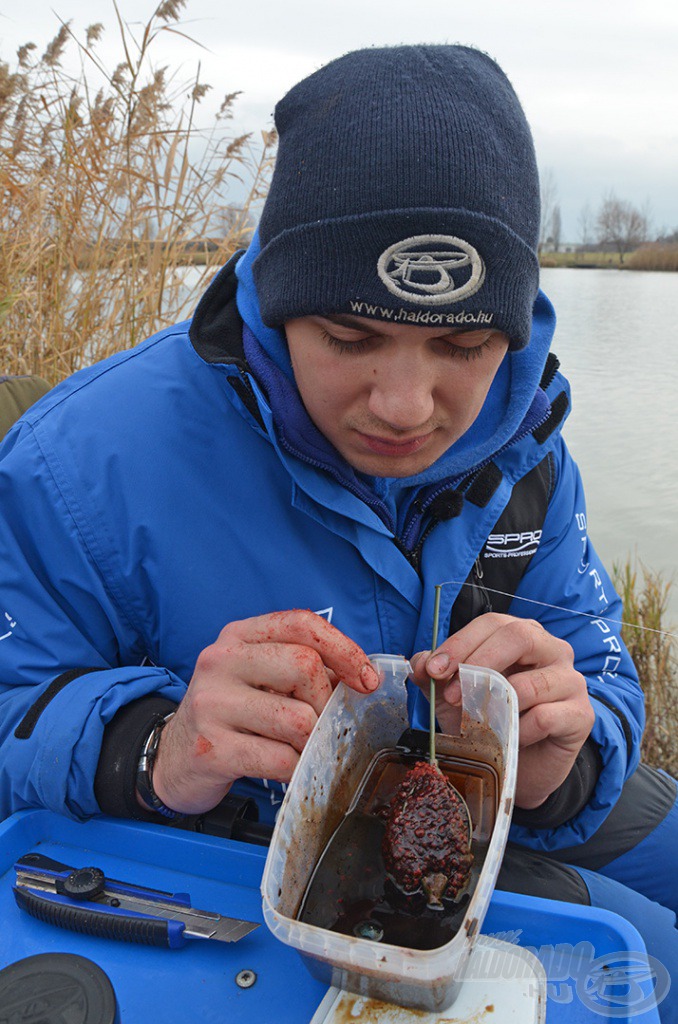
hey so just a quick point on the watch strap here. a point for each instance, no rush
(145, 770)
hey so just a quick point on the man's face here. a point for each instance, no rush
(391, 397)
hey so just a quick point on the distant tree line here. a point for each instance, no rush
(617, 225)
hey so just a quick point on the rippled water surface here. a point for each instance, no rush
(617, 340)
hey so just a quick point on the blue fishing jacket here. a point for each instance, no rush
(152, 498)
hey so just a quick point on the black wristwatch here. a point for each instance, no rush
(145, 771)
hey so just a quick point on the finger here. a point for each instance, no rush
(338, 652)
(258, 757)
(289, 669)
(333, 678)
(427, 666)
(513, 642)
(452, 691)
(566, 725)
(444, 661)
(273, 717)
(551, 685)
(418, 664)
(448, 692)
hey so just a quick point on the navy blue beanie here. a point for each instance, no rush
(405, 189)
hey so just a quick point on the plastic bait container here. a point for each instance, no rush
(351, 731)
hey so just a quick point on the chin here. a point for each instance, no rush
(397, 468)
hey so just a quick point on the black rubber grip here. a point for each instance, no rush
(146, 931)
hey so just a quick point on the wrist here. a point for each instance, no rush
(148, 779)
(123, 740)
(179, 784)
(570, 797)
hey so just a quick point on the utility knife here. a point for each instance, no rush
(85, 900)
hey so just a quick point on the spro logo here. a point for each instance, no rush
(431, 270)
(512, 545)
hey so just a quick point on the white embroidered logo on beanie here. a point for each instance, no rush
(431, 270)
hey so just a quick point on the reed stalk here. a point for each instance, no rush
(645, 596)
(111, 186)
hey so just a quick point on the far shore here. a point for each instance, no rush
(653, 256)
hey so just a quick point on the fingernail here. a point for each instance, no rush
(369, 677)
(438, 663)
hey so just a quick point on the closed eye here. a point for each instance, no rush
(347, 347)
(467, 352)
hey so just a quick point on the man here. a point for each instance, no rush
(362, 407)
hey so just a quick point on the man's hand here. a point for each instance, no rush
(555, 712)
(254, 698)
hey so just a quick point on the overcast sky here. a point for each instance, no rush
(598, 78)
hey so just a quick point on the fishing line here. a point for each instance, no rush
(560, 608)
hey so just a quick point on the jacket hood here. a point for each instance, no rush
(514, 406)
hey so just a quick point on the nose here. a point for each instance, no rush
(401, 391)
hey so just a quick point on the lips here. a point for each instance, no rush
(394, 447)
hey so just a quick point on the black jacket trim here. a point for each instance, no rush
(24, 729)
(216, 334)
(484, 485)
(216, 328)
(559, 407)
(623, 721)
(551, 367)
(570, 797)
(243, 390)
(115, 782)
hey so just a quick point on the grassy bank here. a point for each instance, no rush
(107, 180)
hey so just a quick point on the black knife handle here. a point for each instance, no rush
(38, 861)
(144, 930)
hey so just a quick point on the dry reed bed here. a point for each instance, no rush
(645, 596)
(106, 181)
(654, 256)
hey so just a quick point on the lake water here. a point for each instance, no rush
(617, 341)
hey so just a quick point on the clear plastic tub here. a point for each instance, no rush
(351, 731)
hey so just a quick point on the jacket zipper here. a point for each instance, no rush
(478, 576)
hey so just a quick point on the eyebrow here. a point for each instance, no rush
(348, 321)
(344, 320)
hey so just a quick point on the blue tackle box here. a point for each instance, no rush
(580, 947)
